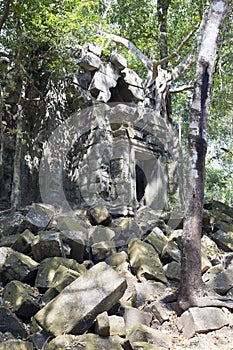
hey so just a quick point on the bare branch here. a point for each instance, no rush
(176, 53)
(29, 79)
(129, 45)
(5, 13)
(181, 68)
(181, 89)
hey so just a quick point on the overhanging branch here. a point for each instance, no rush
(181, 89)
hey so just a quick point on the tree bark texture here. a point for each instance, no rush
(191, 286)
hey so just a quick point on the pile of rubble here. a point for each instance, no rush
(85, 280)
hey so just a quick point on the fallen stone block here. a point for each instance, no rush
(142, 333)
(76, 242)
(94, 48)
(117, 325)
(90, 62)
(38, 218)
(145, 261)
(209, 247)
(223, 239)
(47, 270)
(86, 342)
(128, 229)
(10, 323)
(47, 245)
(147, 218)
(102, 250)
(157, 239)
(117, 259)
(170, 252)
(147, 291)
(118, 60)
(159, 310)
(24, 242)
(100, 215)
(202, 320)
(145, 346)
(14, 344)
(22, 298)
(76, 307)
(223, 281)
(100, 234)
(172, 271)
(131, 78)
(18, 266)
(134, 317)
(102, 326)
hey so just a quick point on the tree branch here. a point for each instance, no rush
(129, 45)
(181, 89)
(181, 68)
(176, 53)
(5, 13)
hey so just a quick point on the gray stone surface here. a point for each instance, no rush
(118, 60)
(145, 261)
(22, 298)
(10, 323)
(90, 62)
(117, 325)
(75, 241)
(24, 242)
(202, 320)
(14, 344)
(142, 333)
(133, 317)
(77, 306)
(102, 250)
(47, 245)
(102, 326)
(100, 215)
(157, 239)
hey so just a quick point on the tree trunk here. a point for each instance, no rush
(191, 286)
(16, 190)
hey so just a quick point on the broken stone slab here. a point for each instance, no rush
(117, 259)
(223, 239)
(18, 266)
(100, 215)
(127, 228)
(89, 62)
(137, 93)
(109, 70)
(170, 252)
(48, 267)
(94, 48)
(38, 218)
(145, 346)
(11, 323)
(86, 342)
(118, 60)
(22, 298)
(102, 326)
(209, 247)
(205, 263)
(202, 320)
(101, 82)
(48, 244)
(145, 261)
(142, 333)
(100, 234)
(76, 307)
(24, 242)
(159, 310)
(14, 344)
(222, 282)
(102, 250)
(131, 78)
(147, 219)
(117, 325)
(103, 96)
(76, 242)
(147, 291)
(133, 317)
(157, 239)
(172, 271)
(73, 223)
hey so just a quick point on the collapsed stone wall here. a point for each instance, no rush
(95, 82)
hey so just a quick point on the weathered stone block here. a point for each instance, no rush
(117, 259)
(202, 320)
(134, 317)
(10, 323)
(37, 218)
(48, 267)
(100, 234)
(142, 333)
(223, 239)
(94, 48)
(86, 342)
(24, 242)
(76, 242)
(146, 291)
(71, 223)
(172, 271)
(63, 277)
(77, 306)
(118, 60)
(90, 62)
(157, 239)
(102, 250)
(48, 244)
(100, 215)
(23, 299)
(117, 325)
(145, 261)
(102, 326)
(170, 252)
(131, 78)
(209, 247)
(14, 344)
(18, 266)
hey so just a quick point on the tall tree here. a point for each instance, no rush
(191, 286)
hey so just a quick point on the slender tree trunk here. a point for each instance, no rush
(1, 141)
(16, 190)
(191, 279)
